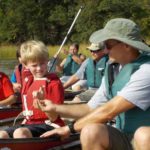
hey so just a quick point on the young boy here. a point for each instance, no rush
(34, 55)
(6, 91)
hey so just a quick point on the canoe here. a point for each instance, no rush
(7, 112)
(51, 143)
(69, 94)
(13, 111)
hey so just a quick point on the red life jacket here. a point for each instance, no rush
(6, 88)
(32, 114)
(21, 73)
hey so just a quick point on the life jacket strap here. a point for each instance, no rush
(48, 122)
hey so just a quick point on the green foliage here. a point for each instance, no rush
(9, 51)
(50, 20)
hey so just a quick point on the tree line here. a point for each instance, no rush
(49, 20)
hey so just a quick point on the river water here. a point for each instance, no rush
(7, 66)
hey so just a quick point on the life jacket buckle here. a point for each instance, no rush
(28, 113)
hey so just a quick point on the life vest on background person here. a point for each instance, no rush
(70, 66)
(95, 71)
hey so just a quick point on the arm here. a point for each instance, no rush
(71, 111)
(73, 79)
(115, 106)
(16, 87)
(135, 93)
(8, 101)
(61, 66)
(7, 91)
(102, 114)
(105, 113)
(77, 59)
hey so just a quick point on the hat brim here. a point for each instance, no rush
(92, 49)
(102, 35)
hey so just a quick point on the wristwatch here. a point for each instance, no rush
(71, 127)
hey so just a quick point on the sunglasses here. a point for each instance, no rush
(95, 51)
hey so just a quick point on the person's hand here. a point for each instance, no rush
(44, 105)
(63, 132)
(40, 94)
(17, 87)
(64, 51)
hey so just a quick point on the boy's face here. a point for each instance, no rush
(38, 69)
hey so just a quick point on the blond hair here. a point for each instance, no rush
(34, 51)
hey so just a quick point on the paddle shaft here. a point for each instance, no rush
(51, 64)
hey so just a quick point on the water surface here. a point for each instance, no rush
(7, 66)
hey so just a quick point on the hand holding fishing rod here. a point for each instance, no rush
(52, 62)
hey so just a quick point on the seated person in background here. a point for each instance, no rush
(34, 55)
(91, 70)
(71, 64)
(7, 96)
(16, 75)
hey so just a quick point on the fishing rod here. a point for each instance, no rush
(52, 62)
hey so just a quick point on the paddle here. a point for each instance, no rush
(53, 61)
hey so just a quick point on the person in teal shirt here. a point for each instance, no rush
(91, 71)
(71, 63)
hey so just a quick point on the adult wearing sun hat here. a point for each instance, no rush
(128, 96)
(91, 70)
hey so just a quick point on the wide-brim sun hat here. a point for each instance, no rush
(123, 30)
(96, 46)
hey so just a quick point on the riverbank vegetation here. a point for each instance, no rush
(9, 51)
(50, 20)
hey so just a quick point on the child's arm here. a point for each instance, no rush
(17, 87)
(7, 91)
(8, 101)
